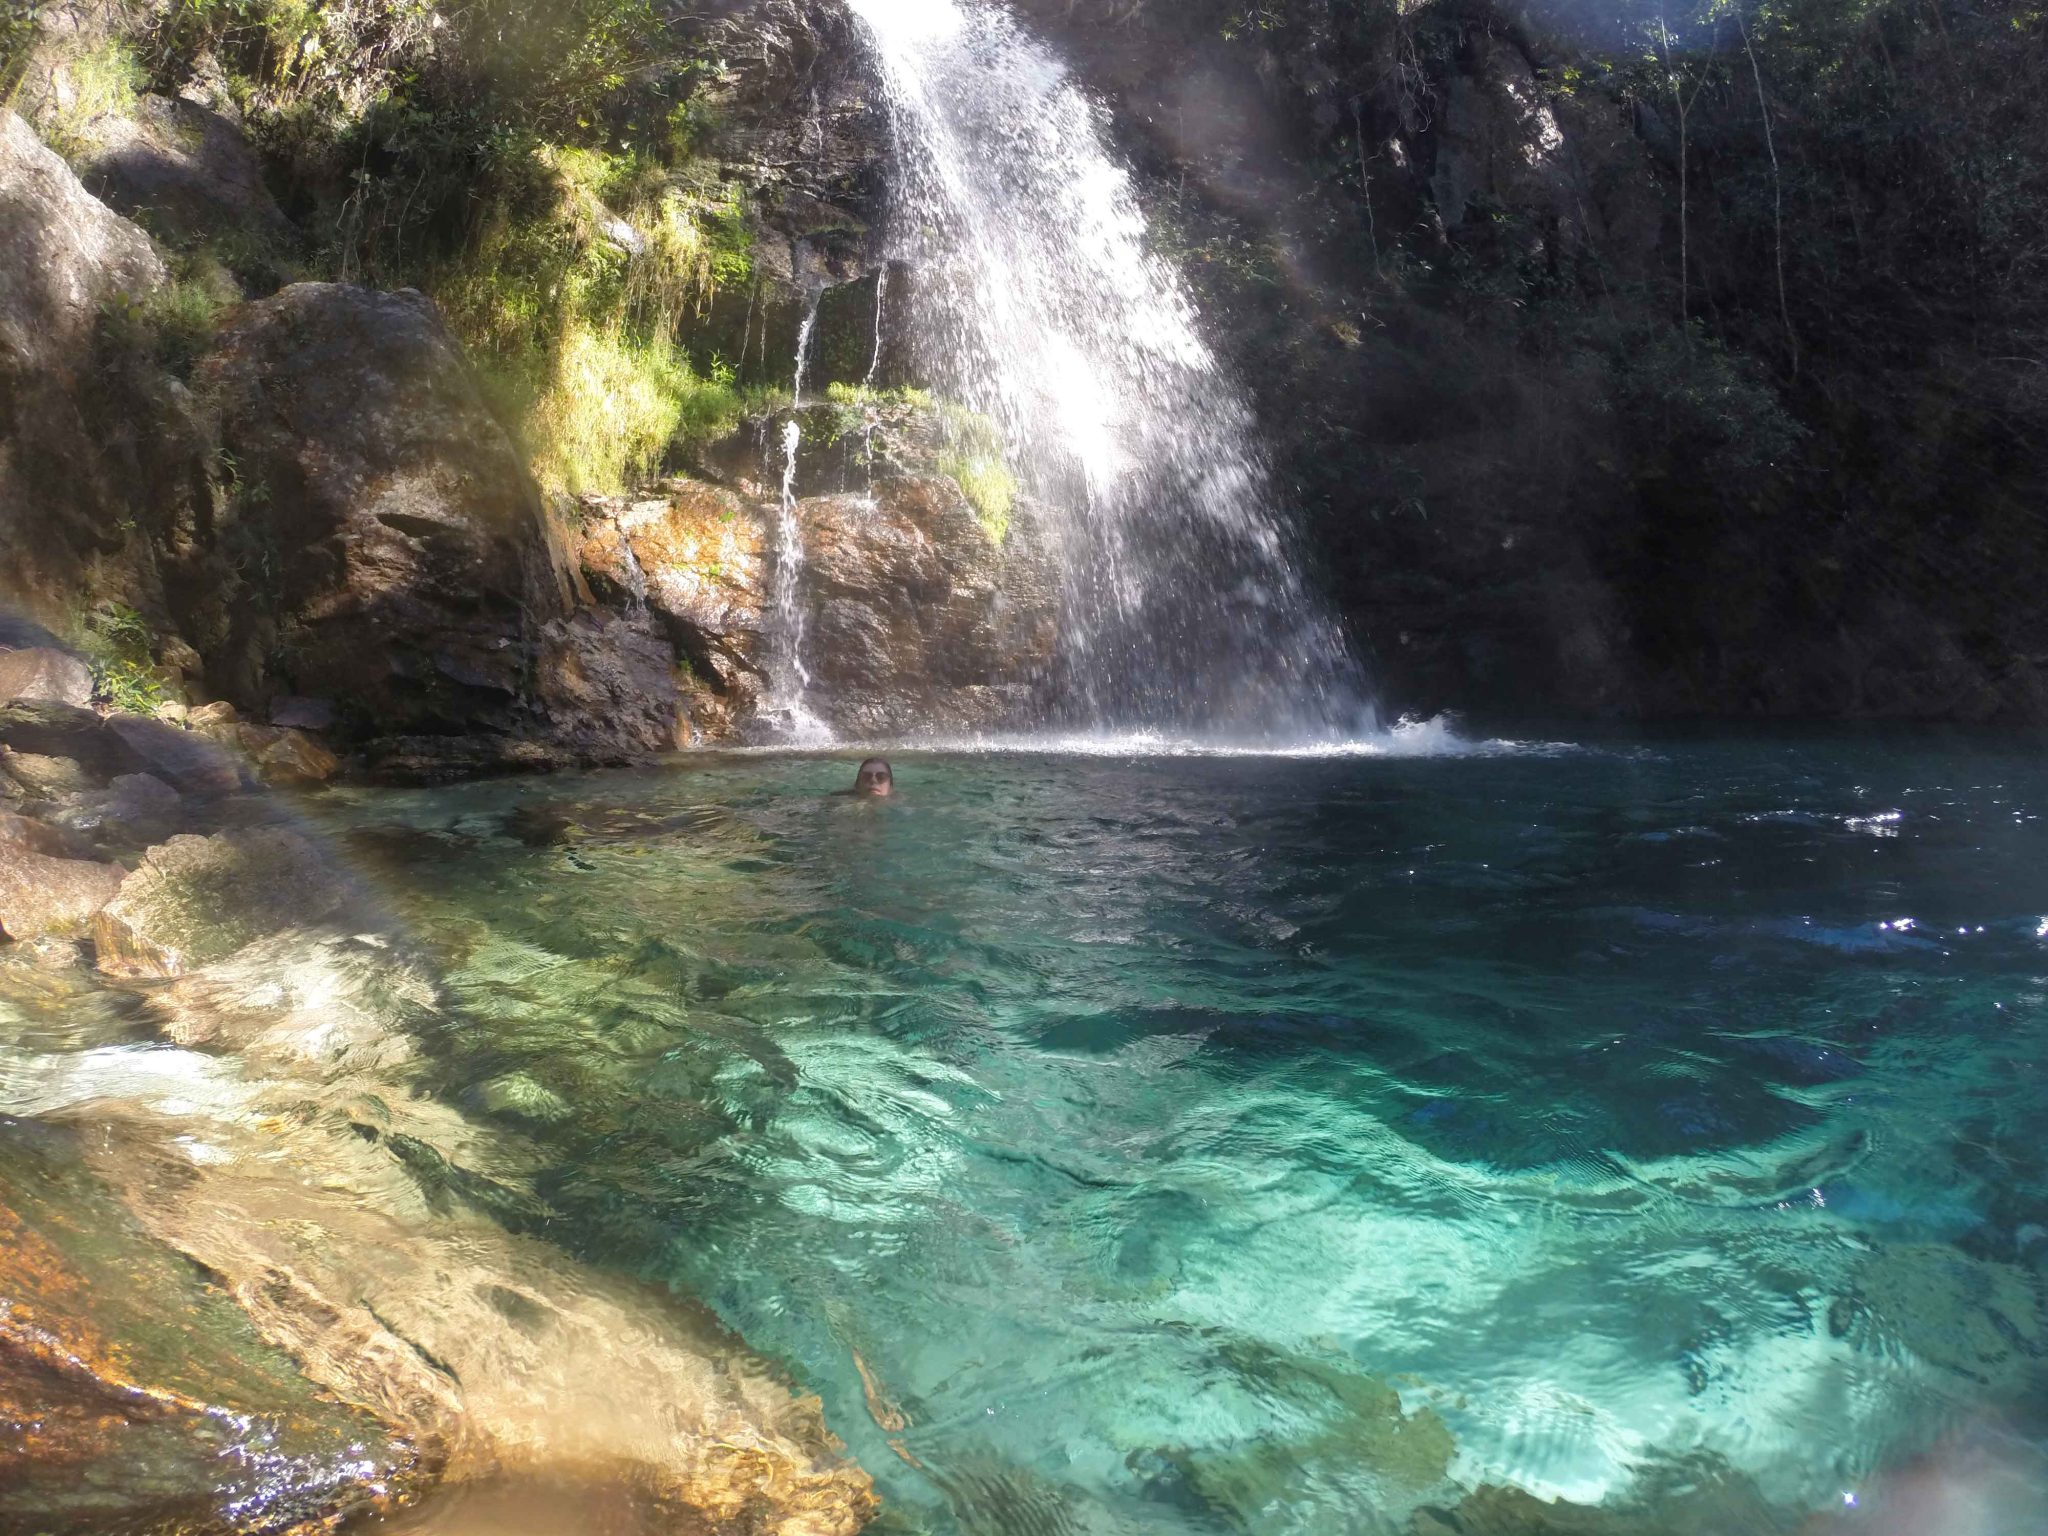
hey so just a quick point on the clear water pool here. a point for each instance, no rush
(1297, 1146)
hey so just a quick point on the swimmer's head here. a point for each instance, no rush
(874, 781)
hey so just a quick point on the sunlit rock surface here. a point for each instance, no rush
(921, 618)
(135, 1396)
(691, 558)
(239, 1081)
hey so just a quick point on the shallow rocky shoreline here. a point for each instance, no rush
(238, 1227)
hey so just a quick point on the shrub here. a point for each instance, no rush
(120, 649)
(101, 81)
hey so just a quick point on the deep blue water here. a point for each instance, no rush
(1290, 1145)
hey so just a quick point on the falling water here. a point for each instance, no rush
(789, 680)
(881, 300)
(1042, 306)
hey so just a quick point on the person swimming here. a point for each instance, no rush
(874, 781)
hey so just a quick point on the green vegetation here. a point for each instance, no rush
(100, 81)
(19, 22)
(960, 443)
(119, 647)
(971, 451)
(613, 404)
(537, 169)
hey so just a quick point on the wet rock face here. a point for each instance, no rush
(390, 539)
(801, 124)
(920, 621)
(694, 560)
(917, 619)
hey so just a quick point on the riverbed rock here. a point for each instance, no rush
(41, 894)
(133, 1396)
(278, 754)
(299, 714)
(44, 777)
(282, 755)
(408, 570)
(198, 899)
(44, 675)
(920, 620)
(188, 762)
(63, 731)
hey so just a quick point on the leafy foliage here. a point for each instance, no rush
(119, 648)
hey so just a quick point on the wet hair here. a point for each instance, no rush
(874, 778)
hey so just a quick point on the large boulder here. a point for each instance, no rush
(389, 542)
(102, 460)
(919, 620)
(186, 173)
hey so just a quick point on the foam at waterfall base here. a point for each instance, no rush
(1435, 736)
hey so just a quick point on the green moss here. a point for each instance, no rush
(971, 452)
(572, 292)
(102, 81)
(615, 404)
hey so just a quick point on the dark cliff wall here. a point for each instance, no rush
(1445, 250)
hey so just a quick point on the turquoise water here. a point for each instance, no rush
(1290, 1146)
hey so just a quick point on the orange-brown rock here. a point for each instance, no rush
(133, 1396)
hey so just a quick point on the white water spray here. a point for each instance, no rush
(1040, 305)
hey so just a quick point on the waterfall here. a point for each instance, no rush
(1040, 303)
(789, 680)
(881, 299)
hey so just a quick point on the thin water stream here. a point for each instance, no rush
(787, 705)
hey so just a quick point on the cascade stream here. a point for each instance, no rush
(1040, 303)
(788, 701)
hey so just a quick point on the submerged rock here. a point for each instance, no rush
(275, 1134)
(361, 1228)
(133, 1396)
(41, 894)
(197, 899)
